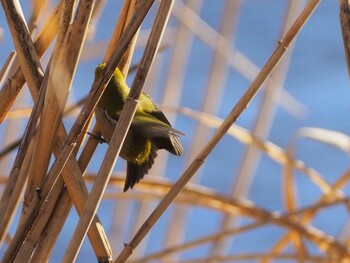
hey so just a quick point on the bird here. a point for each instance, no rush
(149, 131)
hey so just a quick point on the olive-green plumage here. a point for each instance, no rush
(149, 131)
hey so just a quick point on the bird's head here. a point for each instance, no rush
(117, 73)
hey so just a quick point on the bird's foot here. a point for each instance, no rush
(97, 137)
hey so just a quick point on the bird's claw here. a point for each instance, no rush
(97, 137)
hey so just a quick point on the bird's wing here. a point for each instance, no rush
(146, 124)
(148, 104)
(153, 127)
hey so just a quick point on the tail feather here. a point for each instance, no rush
(177, 146)
(135, 172)
(171, 144)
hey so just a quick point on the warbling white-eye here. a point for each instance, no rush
(149, 131)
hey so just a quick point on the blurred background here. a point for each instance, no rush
(210, 53)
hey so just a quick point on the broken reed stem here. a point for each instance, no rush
(120, 131)
(241, 105)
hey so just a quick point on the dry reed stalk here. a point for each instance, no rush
(60, 216)
(124, 19)
(9, 199)
(127, 12)
(8, 209)
(104, 248)
(120, 131)
(213, 93)
(97, 88)
(142, 207)
(262, 125)
(15, 82)
(200, 241)
(7, 65)
(344, 15)
(64, 203)
(34, 178)
(96, 13)
(23, 43)
(9, 148)
(39, 201)
(38, 6)
(236, 59)
(71, 174)
(254, 257)
(174, 87)
(53, 228)
(233, 231)
(277, 154)
(291, 203)
(91, 144)
(200, 196)
(231, 118)
(333, 193)
(59, 78)
(245, 209)
(32, 71)
(124, 66)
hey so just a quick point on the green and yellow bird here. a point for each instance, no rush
(149, 131)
